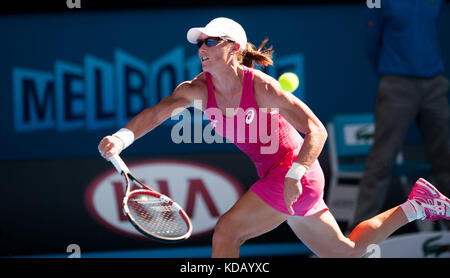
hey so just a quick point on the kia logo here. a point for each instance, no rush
(204, 192)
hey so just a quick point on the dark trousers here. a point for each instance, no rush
(400, 102)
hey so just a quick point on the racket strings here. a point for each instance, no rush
(155, 216)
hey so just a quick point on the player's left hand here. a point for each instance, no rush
(292, 191)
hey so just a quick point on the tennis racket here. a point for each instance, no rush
(151, 213)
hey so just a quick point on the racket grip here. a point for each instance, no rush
(119, 164)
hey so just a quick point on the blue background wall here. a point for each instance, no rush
(335, 75)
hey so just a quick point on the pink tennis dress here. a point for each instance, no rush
(272, 144)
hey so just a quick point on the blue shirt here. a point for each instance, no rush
(402, 37)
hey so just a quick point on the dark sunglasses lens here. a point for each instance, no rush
(211, 42)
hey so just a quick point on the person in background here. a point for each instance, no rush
(403, 48)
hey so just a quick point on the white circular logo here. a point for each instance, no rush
(250, 115)
(205, 193)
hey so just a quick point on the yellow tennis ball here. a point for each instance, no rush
(288, 81)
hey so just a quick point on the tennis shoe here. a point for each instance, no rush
(435, 205)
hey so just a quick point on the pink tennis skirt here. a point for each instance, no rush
(270, 190)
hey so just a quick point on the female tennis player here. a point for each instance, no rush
(291, 181)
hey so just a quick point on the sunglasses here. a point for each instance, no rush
(211, 41)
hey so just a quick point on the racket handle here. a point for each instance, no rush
(119, 164)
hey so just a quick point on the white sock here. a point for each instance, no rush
(413, 210)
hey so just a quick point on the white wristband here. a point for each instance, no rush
(296, 171)
(126, 135)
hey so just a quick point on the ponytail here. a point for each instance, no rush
(252, 55)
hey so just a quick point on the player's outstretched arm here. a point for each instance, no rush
(149, 118)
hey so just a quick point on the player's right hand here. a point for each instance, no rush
(291, 191)
(109, 146)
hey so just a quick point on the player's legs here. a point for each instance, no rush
(321, 233)
(323, 236)
(248, 218)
